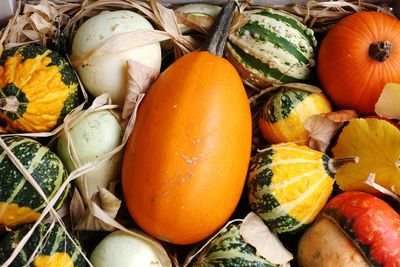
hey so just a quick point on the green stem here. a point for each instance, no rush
(216, 38)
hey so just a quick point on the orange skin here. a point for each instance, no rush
(373, 223)
(351, 78)
(186, 161)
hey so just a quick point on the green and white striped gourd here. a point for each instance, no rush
(55, 248)
(229, 249)
(20, 203)
(272, 48)
(288, 185)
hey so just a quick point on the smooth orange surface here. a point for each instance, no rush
(351, 78)
(186, 161)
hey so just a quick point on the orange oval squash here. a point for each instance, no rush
(358, 57)
(186, 161)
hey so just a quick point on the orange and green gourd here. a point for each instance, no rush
(38, 88)
(285, 113)
(288, 185)
(57, 249)
(20, 203)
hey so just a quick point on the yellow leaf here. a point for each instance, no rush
(377, 145)
(388, 103)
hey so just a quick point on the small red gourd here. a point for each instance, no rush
(358, 57)
(186, 161)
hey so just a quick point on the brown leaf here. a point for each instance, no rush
(40, 8)
(41, 24)
(89, 221)
(76, 207)
(341, 115)
(140, 77)
(323, 127)
(257, 234)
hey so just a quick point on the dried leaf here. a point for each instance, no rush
(376, 143)
(268, 245)
(140, 77)
(387, 105)
(323, 127)
(76, 207)
(40, 8)
(105, 201)
(371, 182)
(41, 24)
(108, 202)
(31, 34)
(167, 20)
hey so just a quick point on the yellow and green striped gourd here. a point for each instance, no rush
(288, 185)
(284, 115)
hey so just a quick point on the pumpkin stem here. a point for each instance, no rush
(380, 50)
(216, 38)
(9, 104)
(335, 164)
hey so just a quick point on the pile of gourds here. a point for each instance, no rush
(191, 160)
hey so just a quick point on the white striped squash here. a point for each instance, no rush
(288, 185)
(20, 203)
(56, 249)
(272, 48)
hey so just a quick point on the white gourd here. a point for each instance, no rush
(95, 135)
(120, 249)
(108, 73)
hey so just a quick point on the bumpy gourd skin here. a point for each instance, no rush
(56, 249)
(284, 115)
(288, 185)
(44, 84)
(230, 250)
(20, 203)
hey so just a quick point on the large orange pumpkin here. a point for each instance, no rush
(358, 57)
(186, 161)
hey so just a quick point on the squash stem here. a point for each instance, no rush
(216, 38)
(9, 104)
(380, 50)
(335, 164)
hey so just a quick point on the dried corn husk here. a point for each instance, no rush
(54, 23)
